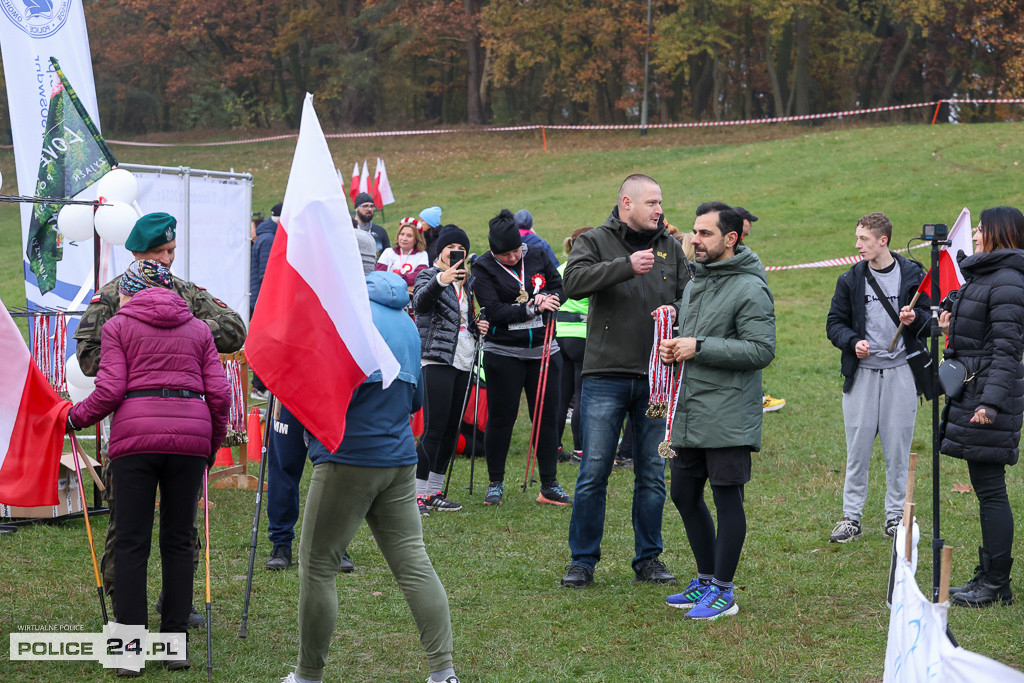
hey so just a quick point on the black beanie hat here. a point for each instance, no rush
(452, 234)
(363, 198)
(503, 235)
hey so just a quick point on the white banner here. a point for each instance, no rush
(30, 33)
(213, 240)
(918, 648)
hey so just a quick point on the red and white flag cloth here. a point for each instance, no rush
(312, 340)
(382, 186)
(364, 179)
(950, 277)
(32, 424)
(354, 185)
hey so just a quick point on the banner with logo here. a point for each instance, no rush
(74, 156)
(31, 32)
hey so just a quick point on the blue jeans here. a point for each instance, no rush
(286, 460)
(605, 402)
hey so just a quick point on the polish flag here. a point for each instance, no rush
(950, 277)
(311, 339)
(354, 185)
(383, 187)
(32, 424)
(378, 200)
(364, 179)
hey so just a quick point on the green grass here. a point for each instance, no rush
(809, 610)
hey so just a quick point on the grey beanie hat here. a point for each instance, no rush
(367, 250)
(524, 219)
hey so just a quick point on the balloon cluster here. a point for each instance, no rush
(79, 386)
(113, 220)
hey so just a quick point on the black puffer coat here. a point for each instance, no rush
(437, 315)
(986, 334)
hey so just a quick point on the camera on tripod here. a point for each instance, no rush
(934, 231)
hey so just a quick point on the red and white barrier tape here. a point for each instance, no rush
(623, 126)
(828, 263)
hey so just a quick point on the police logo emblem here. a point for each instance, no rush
(37, 19)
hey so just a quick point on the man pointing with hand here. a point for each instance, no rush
(629, 267)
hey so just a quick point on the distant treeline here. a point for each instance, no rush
(176, 66)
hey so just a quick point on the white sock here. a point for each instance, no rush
(421, 487)
(441, 676)
(435, 482)
(306, 680)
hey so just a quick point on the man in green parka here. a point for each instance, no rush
(726, 337)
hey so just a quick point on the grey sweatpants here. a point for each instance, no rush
(340, 497)
(882, 403)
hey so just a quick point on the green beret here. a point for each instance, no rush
(152, 230)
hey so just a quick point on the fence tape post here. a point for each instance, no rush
(936, 115)
(544, 137)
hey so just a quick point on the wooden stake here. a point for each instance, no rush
(544, 137)
(911, 472)
(899, 330)
(947, 561)
(936, 115)
(908, 520)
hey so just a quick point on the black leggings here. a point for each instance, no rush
(716, 556)
(136, 478)
(570, 384)
(989, 482)
(445, 388)
(507, 378)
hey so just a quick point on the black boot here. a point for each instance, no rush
(993, 587)
(974, 581)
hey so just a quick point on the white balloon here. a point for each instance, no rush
(75, 376)
(115, 220)
(78, 394)
(75, 222)
(118, 185)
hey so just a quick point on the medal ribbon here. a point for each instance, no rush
(658, 374)
(521, 278)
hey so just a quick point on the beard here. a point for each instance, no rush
(709, 254)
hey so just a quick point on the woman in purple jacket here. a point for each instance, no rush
(161, 377)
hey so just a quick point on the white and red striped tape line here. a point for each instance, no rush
(828, 263)
(623, 126)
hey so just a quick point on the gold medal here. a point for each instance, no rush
(523, 297)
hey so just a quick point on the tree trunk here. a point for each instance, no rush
(801, 74)
(474, 108)
(883, 99)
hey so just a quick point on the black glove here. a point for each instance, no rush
(71, 427)
(211, 460)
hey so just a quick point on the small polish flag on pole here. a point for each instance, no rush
(383, 185)
(364, 179)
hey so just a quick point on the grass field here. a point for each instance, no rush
(808, 610)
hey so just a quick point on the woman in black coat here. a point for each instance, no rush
(982, 425)
(445, 310)
(518, 286)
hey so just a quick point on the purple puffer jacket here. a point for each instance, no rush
(154, 342)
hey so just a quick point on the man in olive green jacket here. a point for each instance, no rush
(726, 337)
(630, 267)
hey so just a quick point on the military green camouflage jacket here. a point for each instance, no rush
(227, 326)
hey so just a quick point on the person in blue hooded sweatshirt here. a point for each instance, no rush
(372, 476)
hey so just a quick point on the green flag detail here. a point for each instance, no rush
(74, 156)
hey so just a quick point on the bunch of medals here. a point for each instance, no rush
(659, 375)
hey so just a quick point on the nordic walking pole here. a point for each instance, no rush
(465, 402)
(899, 330)
(476, 417)
(538, 410)
(545, 367)
(206, 522)
(88, 526)
(271, 404)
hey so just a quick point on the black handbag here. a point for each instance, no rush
(918, 359)
(953, 377)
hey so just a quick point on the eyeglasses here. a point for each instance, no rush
(367, 206)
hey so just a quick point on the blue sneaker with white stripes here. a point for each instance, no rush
(689, 597)
(713, 604)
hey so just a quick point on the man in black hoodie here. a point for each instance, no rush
(629, 267)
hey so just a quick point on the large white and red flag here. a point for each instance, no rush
(312, 340)
(950, 277)
(382, 194)
(32, 424)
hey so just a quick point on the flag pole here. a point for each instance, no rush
(206, 523)
(271, 403)
(899, 330)
(88, 525)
